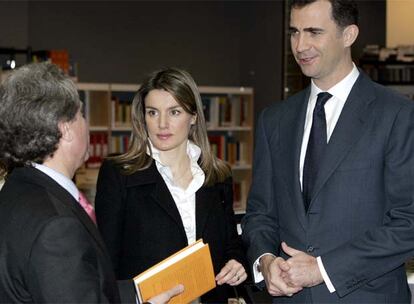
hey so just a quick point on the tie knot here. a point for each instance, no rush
(323, 97)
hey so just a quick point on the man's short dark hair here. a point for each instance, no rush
(33, 100)
(344, 12)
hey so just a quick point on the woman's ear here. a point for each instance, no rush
(193, 119)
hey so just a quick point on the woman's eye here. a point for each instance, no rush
(175, 112)
(151, 113)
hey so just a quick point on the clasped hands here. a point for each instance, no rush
(287, 277)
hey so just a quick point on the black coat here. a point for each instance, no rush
(50, 251)
(141, 225)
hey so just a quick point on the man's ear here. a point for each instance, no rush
(66, 131)
(350, 34)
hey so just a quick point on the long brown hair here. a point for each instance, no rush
(182, 87)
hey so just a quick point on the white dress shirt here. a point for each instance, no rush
(183, 198)
(333, 109)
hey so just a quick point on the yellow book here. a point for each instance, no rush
(191, 266)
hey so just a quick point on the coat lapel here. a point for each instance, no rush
(60, 197)
(203, 207)
(84, 219)
(163, 197)
(160, 193)
(293, 123)
(347, 130)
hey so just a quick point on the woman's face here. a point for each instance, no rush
(168, 124)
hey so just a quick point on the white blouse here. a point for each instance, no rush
(183, 198)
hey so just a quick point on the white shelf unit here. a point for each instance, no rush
(107, 112)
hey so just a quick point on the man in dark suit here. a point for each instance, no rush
(50, 249)
(330, 215)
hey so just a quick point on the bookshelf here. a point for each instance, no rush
(229, 115)
(389, 72)
(394, 74)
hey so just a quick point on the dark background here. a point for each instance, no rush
(221, 43)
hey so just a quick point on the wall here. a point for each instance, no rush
(372, 25)
(226, 43)
(262, 51)
(124, 40)
(219, 42)
(400, 22)
(13, 26)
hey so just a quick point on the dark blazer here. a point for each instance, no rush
(361, 218)
(50, 251)
(141, 225)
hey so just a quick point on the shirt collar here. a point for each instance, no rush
(340, 90)
(61, 179)
(193, 151)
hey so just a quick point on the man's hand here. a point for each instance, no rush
(303, 268)
(164, 297)
(272, 269)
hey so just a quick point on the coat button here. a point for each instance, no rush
(310, 249)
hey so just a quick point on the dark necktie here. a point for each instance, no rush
(316, 146)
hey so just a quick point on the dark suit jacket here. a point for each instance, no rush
(141, 225)
(361, 218)
(50, 251)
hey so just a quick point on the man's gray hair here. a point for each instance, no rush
(33, 100)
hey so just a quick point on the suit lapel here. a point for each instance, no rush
(293, 125)
(83, 218)
(158, 192)
(60, 197)
(347, 130)
(162, 196)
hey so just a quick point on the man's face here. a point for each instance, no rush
(318, 44)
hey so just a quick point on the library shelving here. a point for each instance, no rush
(396, 75)
(229, 116)
(389, 72)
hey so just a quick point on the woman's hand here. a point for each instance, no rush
(233, 273)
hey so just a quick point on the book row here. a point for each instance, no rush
(229, 149)
(219, 111)
(390, 73)
(98, 149)
(225, 111)
(239, 195)
(121, 112)
(224, 147)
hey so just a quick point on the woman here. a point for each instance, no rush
(169, 190)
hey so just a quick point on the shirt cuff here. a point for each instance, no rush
(325, 276)
(257, 275)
